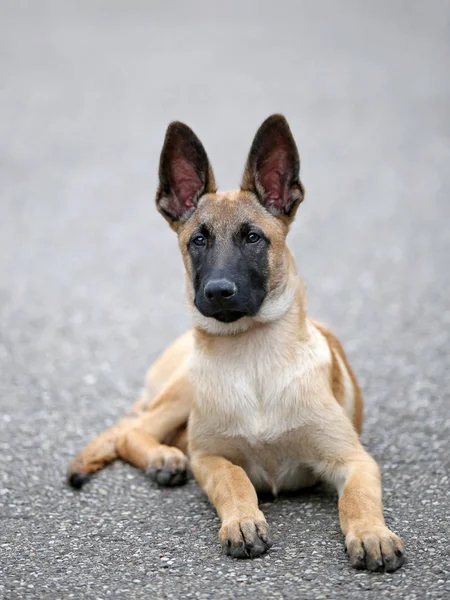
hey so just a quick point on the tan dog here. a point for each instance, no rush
(271, 400)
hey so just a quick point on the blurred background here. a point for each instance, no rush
(91, 282)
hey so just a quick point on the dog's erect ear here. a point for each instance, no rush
(184, 174)
(273, 168)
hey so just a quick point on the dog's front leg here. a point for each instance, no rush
(342, 460)
(370, 544)
(244, 531)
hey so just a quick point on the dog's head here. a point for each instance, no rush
(233, 243)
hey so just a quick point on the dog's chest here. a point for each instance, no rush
(259, 406)
(256, 390)
(252, 404)
(241, 393)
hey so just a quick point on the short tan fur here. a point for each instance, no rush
(271, 400)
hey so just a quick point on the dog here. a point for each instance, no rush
(260, 397)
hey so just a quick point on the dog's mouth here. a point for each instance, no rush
(228, 316)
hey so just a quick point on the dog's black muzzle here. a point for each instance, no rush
(222, 300)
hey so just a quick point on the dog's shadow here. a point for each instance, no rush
(320, 492)
(304, 504)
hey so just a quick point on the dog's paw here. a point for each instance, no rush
(245, 538)
(375, 549)
(167, 465)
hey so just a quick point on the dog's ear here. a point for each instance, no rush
(273, 168)
(184, 174)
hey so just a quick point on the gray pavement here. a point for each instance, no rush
(91, 288)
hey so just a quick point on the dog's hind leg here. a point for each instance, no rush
(138, 437)
(178, 438)
(101, 450)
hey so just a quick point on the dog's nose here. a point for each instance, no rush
(218, 290)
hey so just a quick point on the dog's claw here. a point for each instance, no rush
(266, 539)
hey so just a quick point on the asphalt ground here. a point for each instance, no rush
(91, 281)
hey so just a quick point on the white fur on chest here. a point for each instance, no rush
(258, 388)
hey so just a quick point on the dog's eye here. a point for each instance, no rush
(199, 240)
(252, 238)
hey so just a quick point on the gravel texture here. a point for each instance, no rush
(91, 287)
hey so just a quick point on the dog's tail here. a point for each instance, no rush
(100, 451)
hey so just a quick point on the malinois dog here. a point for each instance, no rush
(261, 398)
